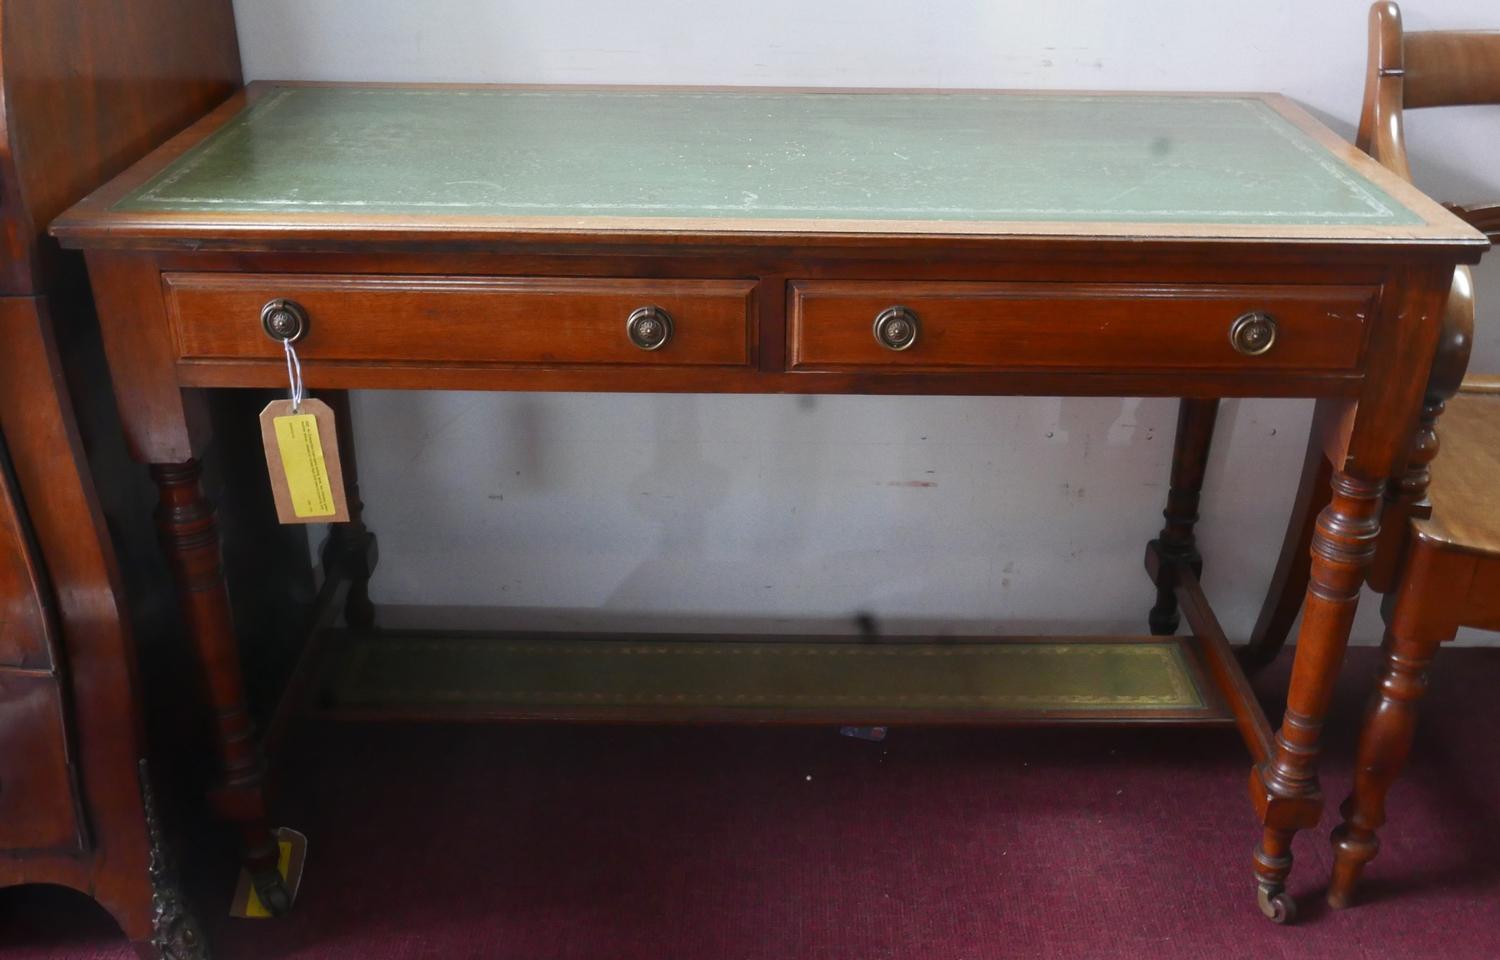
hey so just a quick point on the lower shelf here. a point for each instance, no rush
(770, 680)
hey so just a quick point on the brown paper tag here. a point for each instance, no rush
(302, 457)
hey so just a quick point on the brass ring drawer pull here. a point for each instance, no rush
(649, 327)
(895, 328)
(1253, 333)
(283, 320)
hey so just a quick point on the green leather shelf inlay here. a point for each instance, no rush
(747, 155)
(889, 678)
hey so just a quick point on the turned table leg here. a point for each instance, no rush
(1285, 788)
(1176, 544)
(351, 544)
(1421, 618)
(190, 537)
(1405, 495)
(1405, 499)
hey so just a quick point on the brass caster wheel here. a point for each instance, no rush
(1276, 904)
(272, 891)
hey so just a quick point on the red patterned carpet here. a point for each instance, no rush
(532, 843)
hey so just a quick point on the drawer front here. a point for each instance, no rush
(28, 633)
(999, 326)
(462, 320)
(38, 791)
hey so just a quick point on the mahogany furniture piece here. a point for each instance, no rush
(1449, 578)
(85, 88)
(1438, 556)
(743, 241)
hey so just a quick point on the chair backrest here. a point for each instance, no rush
(1437, 68)
(1451, 68)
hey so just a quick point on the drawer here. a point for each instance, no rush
(28, 631)
(38, 788)
(463, 320)
(998, 326)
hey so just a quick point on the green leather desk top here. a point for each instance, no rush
(746, 155)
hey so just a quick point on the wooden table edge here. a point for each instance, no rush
(93, 222)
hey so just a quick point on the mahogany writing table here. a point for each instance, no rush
(741, 241)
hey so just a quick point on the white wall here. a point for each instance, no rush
(953, 514)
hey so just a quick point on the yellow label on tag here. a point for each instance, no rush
(254, 909)
(302, 460)
(291, 850)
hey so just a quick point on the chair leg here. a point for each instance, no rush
(351, 544)
(1289, 582)
(1420, 621)
(1176, 543)
(1406, 496)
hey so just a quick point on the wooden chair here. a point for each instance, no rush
(1438, 555)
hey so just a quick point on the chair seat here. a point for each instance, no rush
(1465, 490)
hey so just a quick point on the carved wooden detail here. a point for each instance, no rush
(175, 934)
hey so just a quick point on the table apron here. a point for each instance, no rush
(634, 379)
(773, 334)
